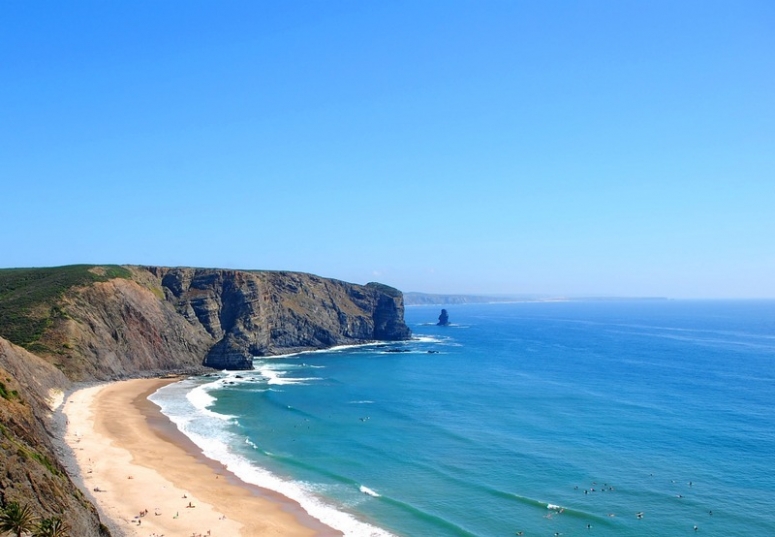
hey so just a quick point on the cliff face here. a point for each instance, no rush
(167, 319)
(121, 328)
(262, 313)
(30, 389)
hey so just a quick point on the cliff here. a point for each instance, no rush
(248, 314)
(30, 390)
(113, 322)
(85, 323)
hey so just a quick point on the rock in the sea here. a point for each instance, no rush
(443, 318)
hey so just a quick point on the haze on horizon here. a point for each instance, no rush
(533, 148)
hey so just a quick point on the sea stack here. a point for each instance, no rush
(443, 318)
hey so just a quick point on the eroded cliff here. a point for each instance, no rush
(250, 314)
(30, 390)
(153, 319)
(84, 323)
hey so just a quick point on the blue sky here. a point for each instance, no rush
(557, 148)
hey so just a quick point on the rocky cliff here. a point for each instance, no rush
(125, 321)
(248, 314)
(83, 323)
(30, 390)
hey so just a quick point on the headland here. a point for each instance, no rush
(64, 326)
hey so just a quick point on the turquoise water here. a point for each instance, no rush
(567, 417)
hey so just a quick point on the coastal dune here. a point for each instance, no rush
(147, 478)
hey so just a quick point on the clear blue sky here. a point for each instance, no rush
(541, 147)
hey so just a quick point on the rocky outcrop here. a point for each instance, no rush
(30, 390)
(443, 318)
(184, 319)
(251, 314)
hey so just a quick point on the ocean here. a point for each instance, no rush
(625, 418)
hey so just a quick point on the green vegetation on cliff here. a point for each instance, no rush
(28, 297)
(382, 288)
(111, 321)
(86, 322)
(31, 476)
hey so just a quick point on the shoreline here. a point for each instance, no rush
(131, 459)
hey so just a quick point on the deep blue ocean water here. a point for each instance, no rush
(544, 418)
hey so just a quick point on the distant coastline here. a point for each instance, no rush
(432, 299)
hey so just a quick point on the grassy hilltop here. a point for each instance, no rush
(29, 298)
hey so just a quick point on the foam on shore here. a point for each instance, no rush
(146, 478)
(210, 431)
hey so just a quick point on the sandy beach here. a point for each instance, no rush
(149, 480)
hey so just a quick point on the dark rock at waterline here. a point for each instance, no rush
(263, 313)
(443, 318)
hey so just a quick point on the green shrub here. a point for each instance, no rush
(45, 461)
(29, 297)
(11, 395)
